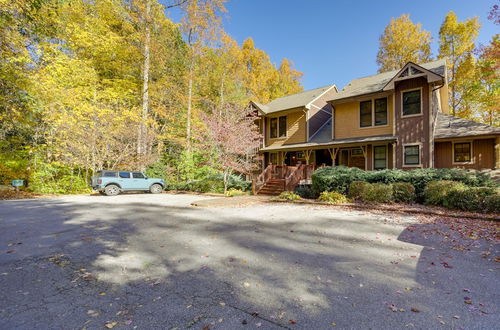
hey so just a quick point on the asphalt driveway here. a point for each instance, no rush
(156, 262)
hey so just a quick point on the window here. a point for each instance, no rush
(274, 128)
(278, 127)
(124, 175)
(379, 157)
(137, 175)
(381, 111)
(282, 126)
(365, 113)
(462, 152)
(356, 152)
(109, 174)
(412, 155)
(411, 103)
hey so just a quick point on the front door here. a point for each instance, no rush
(344, 157)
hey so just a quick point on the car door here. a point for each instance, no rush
(139, 181)
(125, 181)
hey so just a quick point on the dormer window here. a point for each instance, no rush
(412, 102)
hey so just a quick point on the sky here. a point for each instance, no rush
(335, 41)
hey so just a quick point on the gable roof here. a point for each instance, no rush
(302, 99)
(452, 127)
(376, 83)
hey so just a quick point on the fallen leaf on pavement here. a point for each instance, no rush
(110, 325)
(292, 322)
(416, 310)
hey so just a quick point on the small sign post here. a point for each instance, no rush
(17, 184)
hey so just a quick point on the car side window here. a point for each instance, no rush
(124, 175)
(137, 175)
(109, 174)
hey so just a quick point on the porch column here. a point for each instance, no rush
(283, 155)
(307, 155)
(333, 153)
(394, 155)
(364, 149)
(497, 152)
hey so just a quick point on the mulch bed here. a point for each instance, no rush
(403, 208)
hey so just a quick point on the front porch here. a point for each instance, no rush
(366, 157)
(283, 170)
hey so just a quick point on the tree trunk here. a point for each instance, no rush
(225, 182)
(142, 138)
(190, 101)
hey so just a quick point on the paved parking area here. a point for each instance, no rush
(154, 261)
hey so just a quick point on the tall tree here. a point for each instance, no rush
(201, 25)
(456, 44)
(402, 42)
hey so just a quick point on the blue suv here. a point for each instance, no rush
(112, 183)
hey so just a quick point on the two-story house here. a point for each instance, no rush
(398, 119)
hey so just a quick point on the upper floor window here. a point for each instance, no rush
(278, 127)
(381, 111)
(365, 113)
(462, 152)
(412, 155)
(412, 102)
(373, 113)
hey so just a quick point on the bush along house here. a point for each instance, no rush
(398, 119)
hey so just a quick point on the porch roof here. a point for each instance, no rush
(453, 127)
(333, 143)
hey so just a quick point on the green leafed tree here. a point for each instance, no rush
(403, 41)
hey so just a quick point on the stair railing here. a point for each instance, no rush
(294, 177)
(261, 180)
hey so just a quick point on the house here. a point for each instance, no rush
(398, 119)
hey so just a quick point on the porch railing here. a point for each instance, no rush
(292, 175)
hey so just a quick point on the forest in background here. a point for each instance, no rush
(115, 84)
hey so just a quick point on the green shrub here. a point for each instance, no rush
(492, 203)
(469, 198)
(333, 197)
(305, 191)
(378, 193)
(436, 192)
(357, 189)
(403, 192)
(339, 178)
(235, 192)
(289, 196)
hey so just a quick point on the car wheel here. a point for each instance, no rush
(112, 190)
(156, 188)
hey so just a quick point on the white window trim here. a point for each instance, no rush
(278, 128)
(471, 153)
(419, 144)
(373, 112)
(421, 102)
(386, 156)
